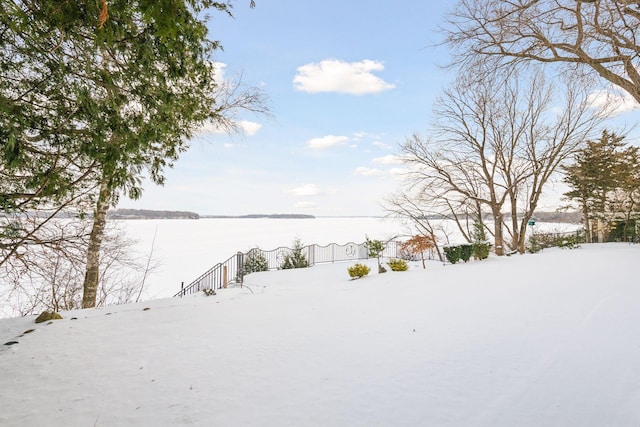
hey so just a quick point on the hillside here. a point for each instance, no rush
(532, 340)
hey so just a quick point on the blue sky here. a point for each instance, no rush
(347, 82)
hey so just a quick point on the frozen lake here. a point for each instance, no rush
(187, 248)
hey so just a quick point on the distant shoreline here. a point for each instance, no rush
(259, 216)
(560, 217)
(157, 214)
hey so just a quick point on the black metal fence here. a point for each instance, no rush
(236, 267)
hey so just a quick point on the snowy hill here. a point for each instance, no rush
(533, 340)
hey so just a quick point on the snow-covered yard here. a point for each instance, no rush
(551, 339)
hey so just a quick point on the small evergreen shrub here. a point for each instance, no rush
(209, 292)
(295, 259)
(478, 234)
(481, 250)
(375, 248)
(569, 242)
(452, 253)
(534, 245)
(48, 315)
(398, 265)
(358, 270)
(465, 252)
(255, 261)
(541, 241)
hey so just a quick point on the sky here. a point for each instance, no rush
(347, 83)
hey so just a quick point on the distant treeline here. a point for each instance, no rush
(563, 217)
(261, 216)
(149, 214)
(568, 217)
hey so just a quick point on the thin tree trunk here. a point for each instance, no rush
(90, 286)
(587, 223)
(515, 240)
(498, 239)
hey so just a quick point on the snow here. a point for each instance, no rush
(549, 339)
(187, 248)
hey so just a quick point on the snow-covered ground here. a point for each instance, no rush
(549, 339)
(185, 249)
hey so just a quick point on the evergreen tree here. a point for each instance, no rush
(94, 94)
(375, 248)
(295, 259)
(255, 261)
(604, 181)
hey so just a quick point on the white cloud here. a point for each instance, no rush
(367, 171)
(333, 75)
(305, 190)
(218, 71)
(209, 128)
(612, 101)
(398, 171)
(389, 159)
(327, 142)
(245, 127)
(249, 128)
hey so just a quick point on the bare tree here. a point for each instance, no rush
(48, 276)
(418, 245)
(419, 218)
(598, 38)
(495, 144)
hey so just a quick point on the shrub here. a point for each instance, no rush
(417, 245)
(375, 248)
(48, 315)
(255, 261)
(478, 234)
(357, 271)
(535, 245)
(481, 250)
(465, 252)
(540, 241)
(452, 253)
(571, 241)
(398, 265)
(296, 259)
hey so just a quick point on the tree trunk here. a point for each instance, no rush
(90, 286)
(515, 240)
(498, 239)
(587, 224)
(522, 238)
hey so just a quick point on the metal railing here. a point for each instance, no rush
(236, 267)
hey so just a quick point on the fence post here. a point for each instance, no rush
(181, 289)
(225, 278)
(240, 266)
(310, 255)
